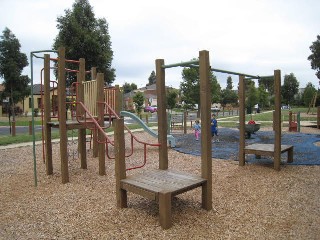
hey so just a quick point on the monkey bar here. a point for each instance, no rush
(234, 73)
(182, 64)
(195, 63)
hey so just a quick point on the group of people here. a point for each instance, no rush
(214, 129)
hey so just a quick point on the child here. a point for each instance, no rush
(197, 128)
(214, 128)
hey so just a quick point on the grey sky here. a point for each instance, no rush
(249, 36)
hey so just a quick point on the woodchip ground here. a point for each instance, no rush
(250, 202)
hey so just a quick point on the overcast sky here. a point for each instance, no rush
(247, 36)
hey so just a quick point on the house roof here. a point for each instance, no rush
(128, 95)
(149, 87)
(144, 91)
(132, 93)
(37, 89)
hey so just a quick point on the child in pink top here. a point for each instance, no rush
(197, 128)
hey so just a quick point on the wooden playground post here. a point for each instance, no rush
(241, 120)
(62, 115)
(93, 73)
(101, 137)
(30, 127)
(294, 122)
(185, 122)
(318, 117)
(312, 103)
(162, 115)
(13, 124)
(118, 100)
(81, 132)
(290, 117)
(47, 116)
(120, 166)
(277, 119)
(206, 153)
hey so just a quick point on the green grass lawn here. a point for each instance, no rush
(20, 121)
(21, 138)
(265, 118)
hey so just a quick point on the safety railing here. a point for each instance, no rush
(93, 123)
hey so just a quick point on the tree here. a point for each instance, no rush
(228, 96)
(12, 62)
(314, 58)
(152, 79)
(267, 83)
(308, 94)
(172, 98)
(138, 100)
(127, 87)
(190, 87)
(229, 83)
(289, 88)
(251, 96)
(84, 36)
(263, 97)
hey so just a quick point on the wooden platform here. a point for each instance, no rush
(161, 186)
(268, 150)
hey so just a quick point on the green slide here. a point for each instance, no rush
(170, 138)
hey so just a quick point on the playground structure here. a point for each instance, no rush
(89, 108)
(162, 184)
(275, 149)
(294, 122)
(318, 117)
(180, 121)
(250, 128)
(312, 103)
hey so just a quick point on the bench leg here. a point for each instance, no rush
(165, 209)
(206, 196)
(290, 155)
(277, 161)
(122, 198)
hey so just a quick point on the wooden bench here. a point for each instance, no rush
(161, 186)
(268, 150)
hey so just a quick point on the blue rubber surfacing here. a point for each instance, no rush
(305, 152)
